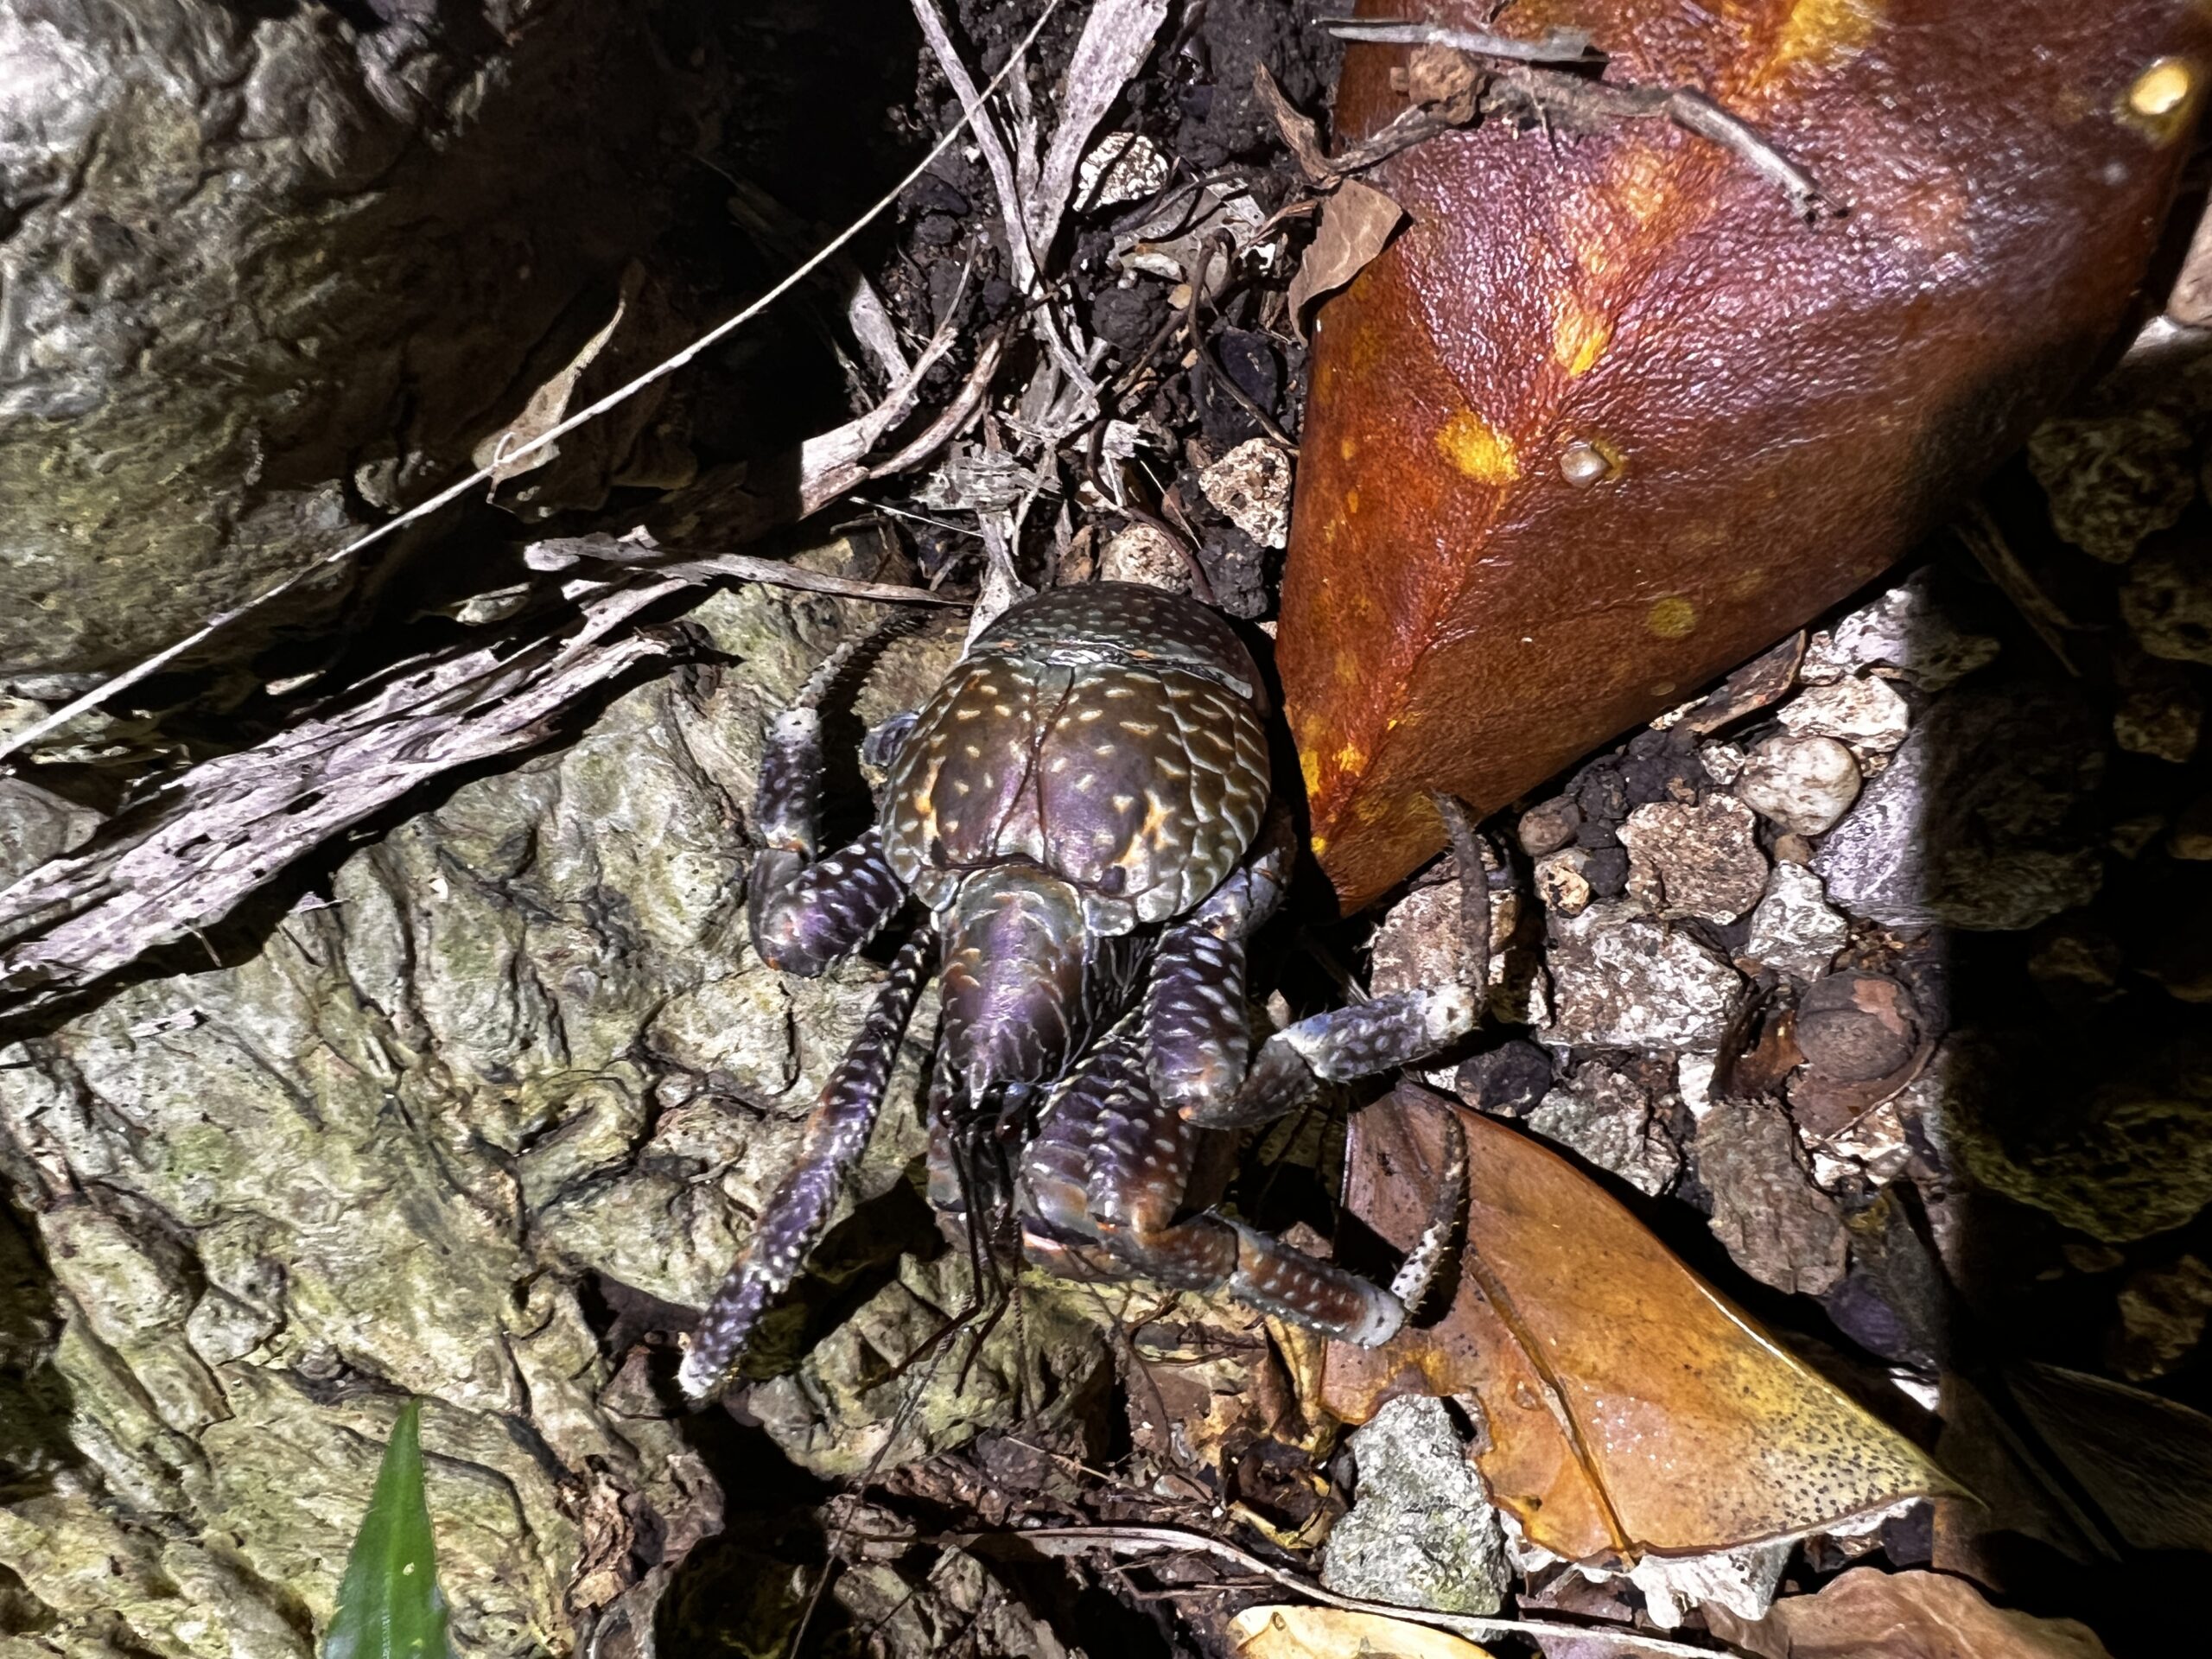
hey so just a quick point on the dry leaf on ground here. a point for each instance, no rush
(1356, 222)
(1867, 1614)
(1629, 1407)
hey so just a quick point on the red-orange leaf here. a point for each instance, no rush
(1607, 418)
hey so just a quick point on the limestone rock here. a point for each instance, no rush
(2114, 478)
(2167, 604)
(1695, 860)
(527, 1046)
(1622, 980)
(1803, 785)
(1906, 631)
(1606, 1118)
(1421, 1531)
(1780, 1228)
(235, 240)
(1794, 930)
(1983, 819)
(1863, 712)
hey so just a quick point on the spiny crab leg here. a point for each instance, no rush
(793, 1220)
(806, 914)
(1198, 1040)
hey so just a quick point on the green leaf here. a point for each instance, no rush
(389, 1605)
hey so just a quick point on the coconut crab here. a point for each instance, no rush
(1083, 809)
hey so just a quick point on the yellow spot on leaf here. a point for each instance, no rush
(1477, 448)
(1321, 845)
(1351, 501)
(1351, 758)
(1309, 764)
(1347, 448)
(1672, 618)
(1822, 32)
(2161, 89)
(2160, 99)
(1580, 335)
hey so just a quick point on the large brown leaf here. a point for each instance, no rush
(1629, 1407)
(1776, 409)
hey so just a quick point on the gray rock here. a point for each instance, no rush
(234, 240)
(1983, 819)
(526, 1045)
(2114, 478)
(2167, 603)
(1421, 1531)
(1622, 980)
(1794, 930)
(1605, 1119)
(2119, 1160)
(1906, 630)
(1863, 712)
(1803, 785)
(1699, 860)
(1779, 1226)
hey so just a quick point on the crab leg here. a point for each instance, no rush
(806, 914)
(1107, 1173)
(1199, 1038)
(793, 1218)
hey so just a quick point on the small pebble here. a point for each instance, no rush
(1562, 883)
(1251, 486)
(1857, 1027)
(1803, 785)
(1792, 849)
(1550, 826)
(1607, 872)
(1506, 1081)
(1865, 712)
(1695, 861)
(1794, 930)
(1142, 554)
(1723, 762)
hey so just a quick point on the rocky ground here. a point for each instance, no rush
(1870, 981)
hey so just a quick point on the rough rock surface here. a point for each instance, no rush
(1621, 980)
(1421, 1531)
(1694, 861)
(1779, 1228)
(2132, 1159)
(521, 1046)
(1606, 1118)
(1979, 820)
(262, 260)
(1794, 930)
(1804, 785)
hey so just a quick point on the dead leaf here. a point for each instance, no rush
(1290, 1632)
(1868, 1614)
(627, 447)
(1357, 223)
(2145, 1462)
(1629, 1407)
(1606, 419)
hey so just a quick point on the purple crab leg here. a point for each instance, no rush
(1200, 1043)
(793, 1220)
(806, 914)
(1106, 1175)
